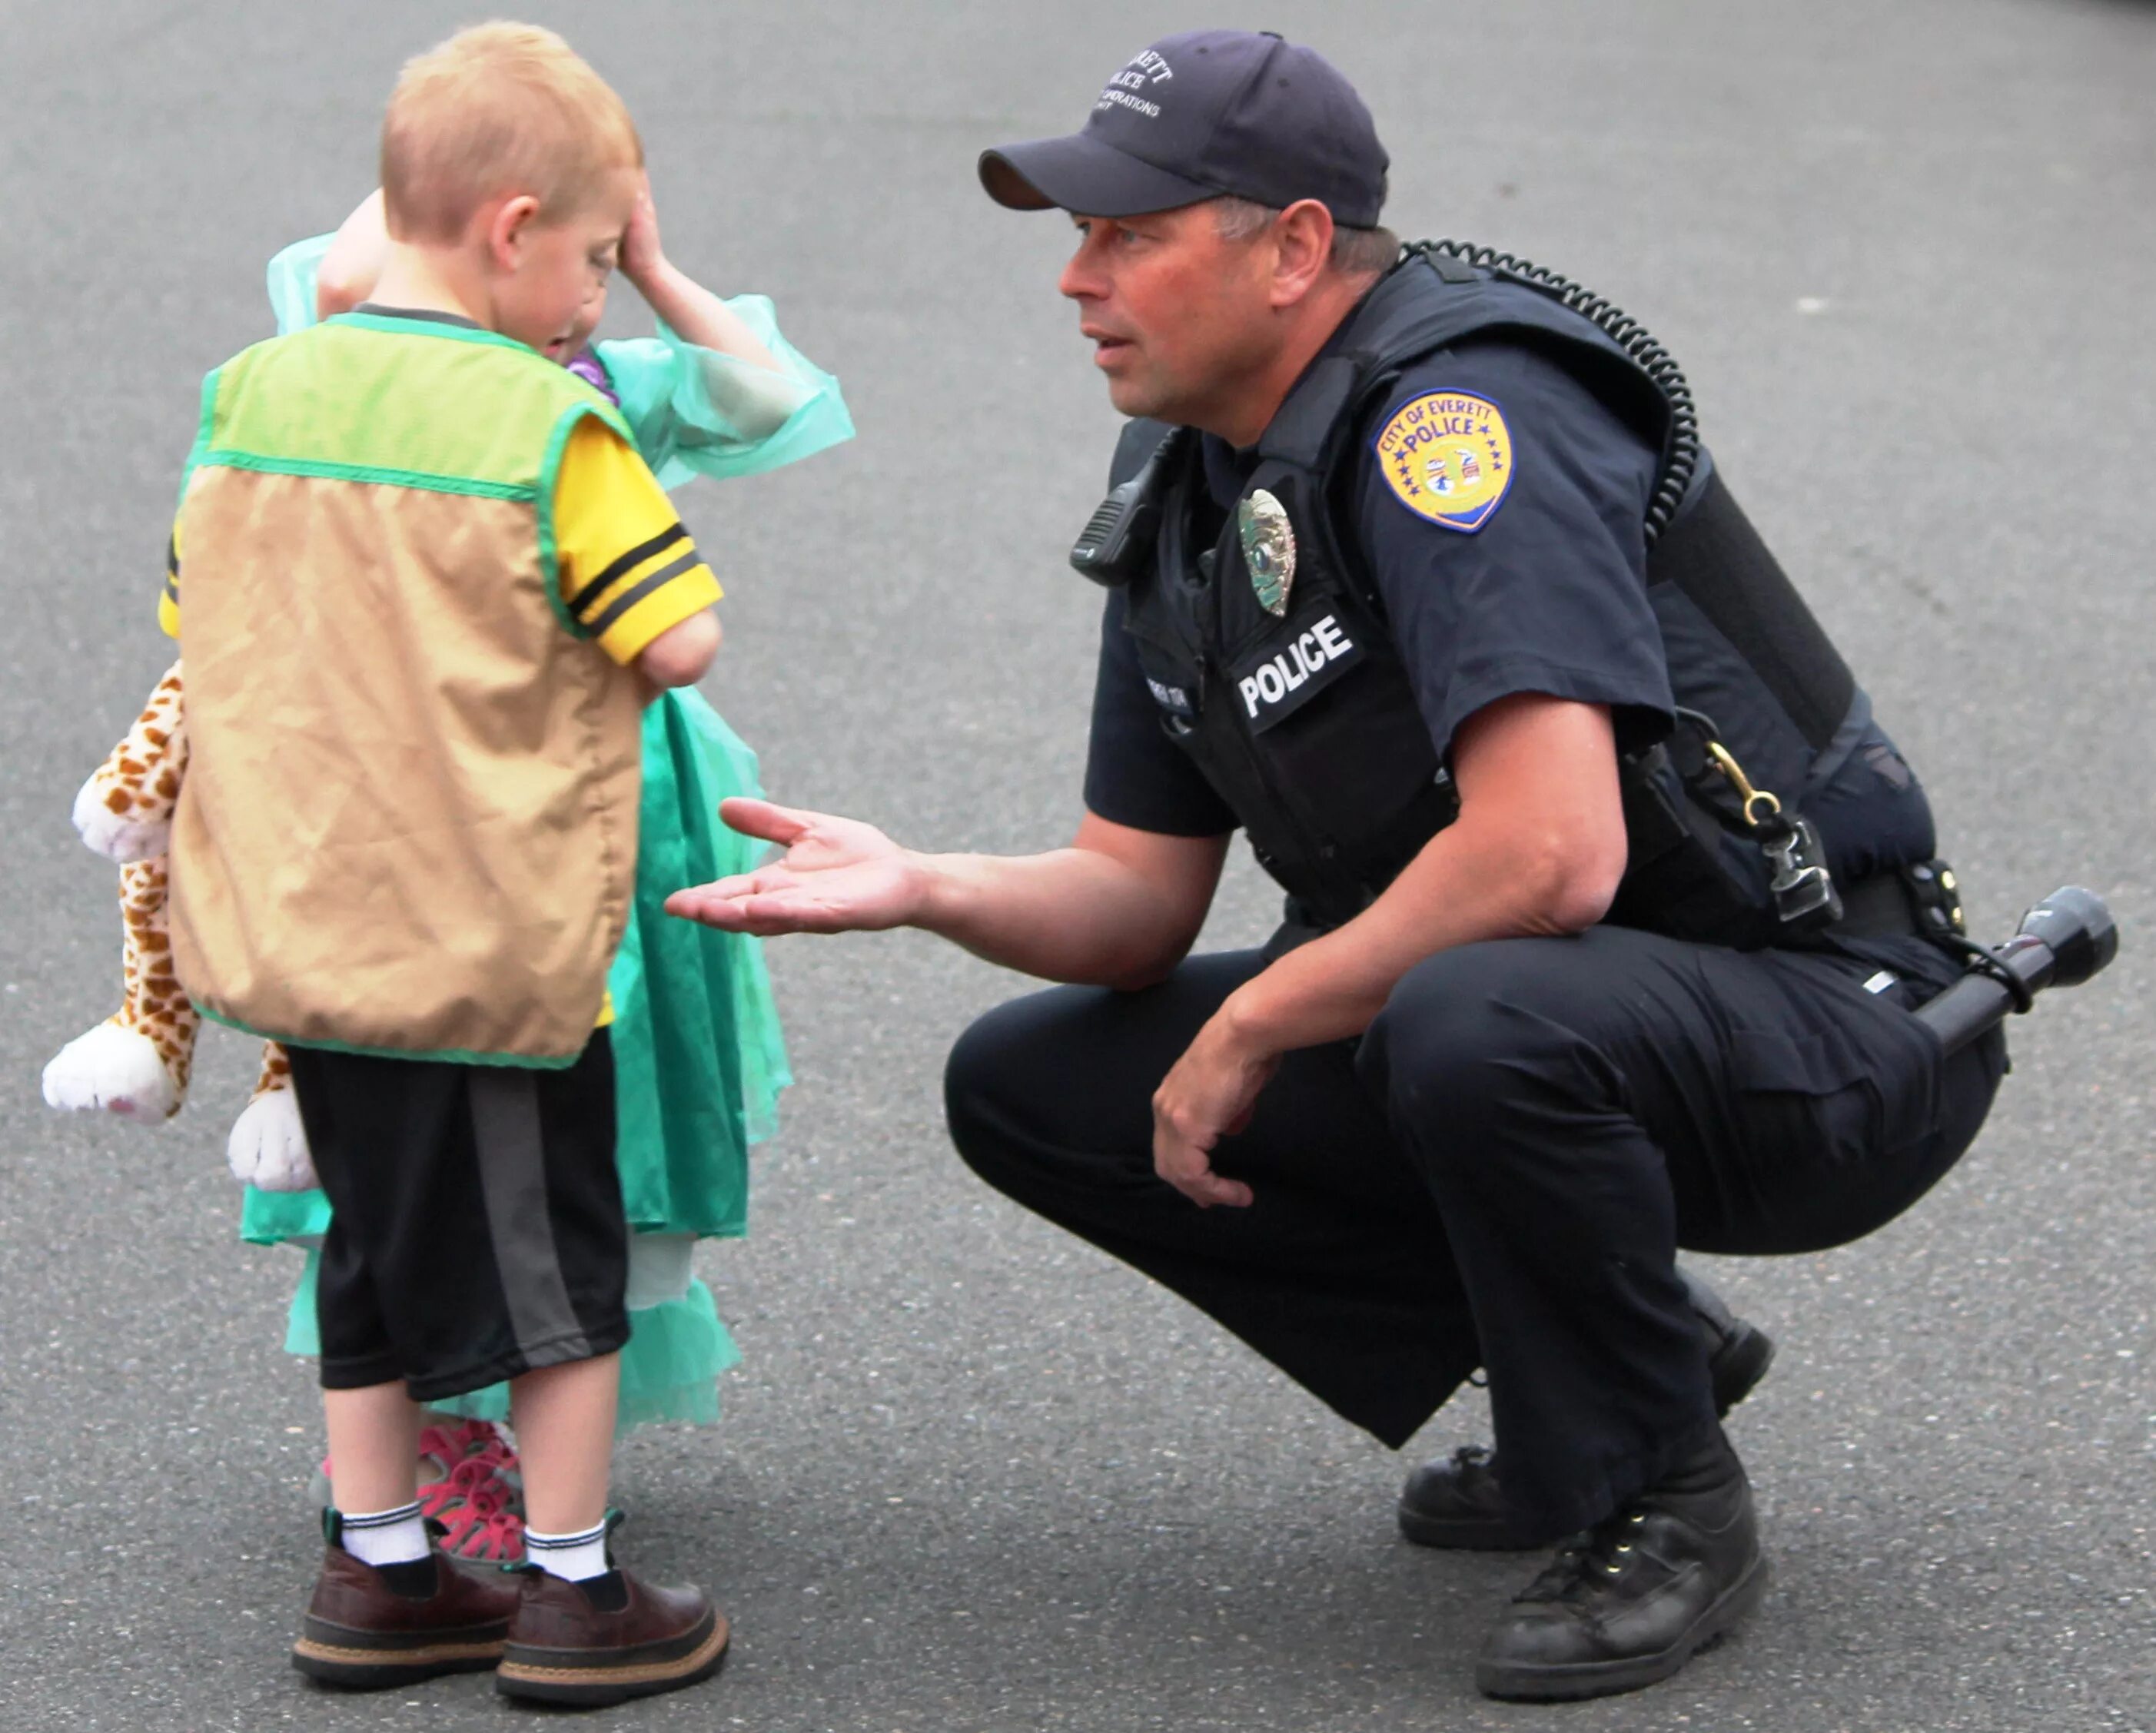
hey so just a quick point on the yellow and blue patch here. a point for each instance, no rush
(1447, 456)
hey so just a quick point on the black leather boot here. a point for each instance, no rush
(1454, 1502)
(1629, 1602)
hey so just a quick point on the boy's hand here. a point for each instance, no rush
(642, 257)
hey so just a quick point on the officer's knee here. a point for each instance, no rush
(970, 1087)
(1435, 1041)
(991, 1092)
(1469, 1039)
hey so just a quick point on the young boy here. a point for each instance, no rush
(428, 585)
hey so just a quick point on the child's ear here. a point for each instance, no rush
(509, 228)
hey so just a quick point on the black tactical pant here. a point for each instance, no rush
(1499, 1174)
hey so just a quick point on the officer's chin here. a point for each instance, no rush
(1138, 398)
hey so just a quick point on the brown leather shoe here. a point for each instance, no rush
(360, 1633)
(608, 1640)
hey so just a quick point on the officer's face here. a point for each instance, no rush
(1179, 318)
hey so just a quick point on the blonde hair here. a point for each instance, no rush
(498, 109)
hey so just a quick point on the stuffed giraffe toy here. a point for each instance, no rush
(139, 1061)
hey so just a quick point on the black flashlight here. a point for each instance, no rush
(2063, 940)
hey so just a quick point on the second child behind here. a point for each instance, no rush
(424, 584)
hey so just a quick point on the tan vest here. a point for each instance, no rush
(408, 825)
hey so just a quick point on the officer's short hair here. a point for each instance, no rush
(1356, 252)
(499, 109)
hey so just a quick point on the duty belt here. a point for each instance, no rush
(1923, 899)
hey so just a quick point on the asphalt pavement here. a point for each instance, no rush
(973, 1476)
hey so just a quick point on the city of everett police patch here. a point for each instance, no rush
(1447, 456)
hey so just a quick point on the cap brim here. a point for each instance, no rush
(1081, 174)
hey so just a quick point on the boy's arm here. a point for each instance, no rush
(354, 260)
(680, 655)
(629, 573)
(695, 313)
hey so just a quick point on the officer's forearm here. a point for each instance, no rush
(1459, 890)
(1076, 914)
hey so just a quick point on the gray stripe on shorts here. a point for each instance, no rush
(512, 1175)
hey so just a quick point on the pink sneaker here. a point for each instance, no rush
(478, 1498)
(469, 1485)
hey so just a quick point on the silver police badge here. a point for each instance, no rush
(1268, 540)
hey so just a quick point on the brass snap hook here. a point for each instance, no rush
(1759, 804)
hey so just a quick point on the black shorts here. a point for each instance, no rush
(478, 1230)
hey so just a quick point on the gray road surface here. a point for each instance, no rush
(974, 1476)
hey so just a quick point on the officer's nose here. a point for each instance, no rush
(1082, 278)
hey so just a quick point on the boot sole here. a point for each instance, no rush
(1524, 1683)
(352, 1668)
(548, 1675)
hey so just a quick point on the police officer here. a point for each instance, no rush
(1609, 901)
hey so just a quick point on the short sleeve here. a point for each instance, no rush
(168, 598)
(1134, 774)
(628, 569)
(696, 411)
(1543, 590)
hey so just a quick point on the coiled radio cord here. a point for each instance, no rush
(1680, 460)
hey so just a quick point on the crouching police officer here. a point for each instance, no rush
(1609, 901)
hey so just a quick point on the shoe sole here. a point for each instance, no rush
(542, 1676)
(1523, 1684)
(1456, 1533)
(1736, 1368)
(356, 1668)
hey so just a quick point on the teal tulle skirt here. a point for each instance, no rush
(699, 1063)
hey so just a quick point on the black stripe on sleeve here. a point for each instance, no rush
(172, 556)
(171, 593)
(628, 562)
(638, 591)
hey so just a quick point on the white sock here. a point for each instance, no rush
(577, 1558)
(385, 1537)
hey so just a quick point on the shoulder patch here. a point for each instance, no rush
(1447, 456)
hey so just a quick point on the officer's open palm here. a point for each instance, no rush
(838, 875)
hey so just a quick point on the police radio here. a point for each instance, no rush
(1117, 541)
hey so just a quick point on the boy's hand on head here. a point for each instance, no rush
(679, 655)
(642, 256)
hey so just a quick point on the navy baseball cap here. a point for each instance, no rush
(1209, 112)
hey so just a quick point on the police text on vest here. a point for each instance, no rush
(1271, 681)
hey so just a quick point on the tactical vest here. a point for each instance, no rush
(409, 821)
(1307, 723)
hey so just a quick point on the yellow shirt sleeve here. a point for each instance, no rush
(629, 571)
(169, 600)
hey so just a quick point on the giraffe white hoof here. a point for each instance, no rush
(268, 1148)
(106, 832)
(112, 1070)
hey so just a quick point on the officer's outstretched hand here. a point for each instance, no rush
(1208, 1095)
(838, 875)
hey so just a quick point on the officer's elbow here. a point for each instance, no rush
(1568, 882)
(1136, 976)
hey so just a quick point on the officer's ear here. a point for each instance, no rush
(1302, 238)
